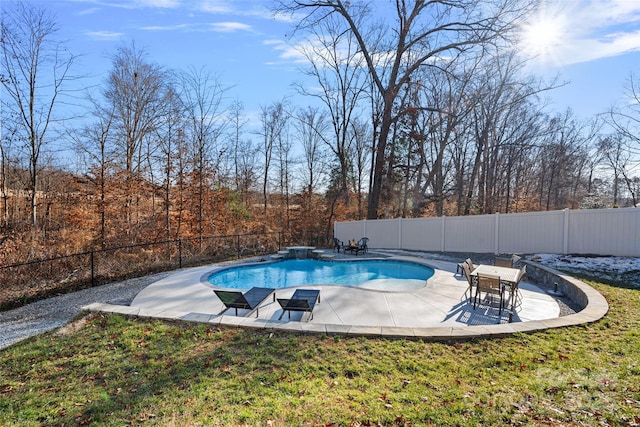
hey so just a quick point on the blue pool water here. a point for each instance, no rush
(373, 274)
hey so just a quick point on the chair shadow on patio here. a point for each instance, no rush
(483, 314)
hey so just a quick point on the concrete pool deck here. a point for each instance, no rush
(439, 310)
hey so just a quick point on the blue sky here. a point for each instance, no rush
(594, 45)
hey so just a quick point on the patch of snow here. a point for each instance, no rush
(623, 269)
(612, 268)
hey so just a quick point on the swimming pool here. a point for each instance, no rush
(369, 274)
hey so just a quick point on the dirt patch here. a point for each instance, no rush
(74, 326)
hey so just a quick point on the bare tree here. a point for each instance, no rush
(626, 119)
(247, 168)
(134, 89)
(170, 135)
(422, 33)
(504, 122)
(237, 126)
(284, 150)
(360, 152)
(35, 65)
(339, 71)
(558, 160)
(273, 120)
(3, 185)
(6, 143)
(134, 92)
(617, 157)
(432, 111)
(311, 126)
(92, 143)
(202, 94)
(242, 154)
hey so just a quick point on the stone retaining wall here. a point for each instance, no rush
(579, 292)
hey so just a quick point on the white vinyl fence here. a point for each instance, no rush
(593, 232)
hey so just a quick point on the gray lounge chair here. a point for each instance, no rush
(250, 300)
(303, 300)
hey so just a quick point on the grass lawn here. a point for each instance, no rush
(114, 371)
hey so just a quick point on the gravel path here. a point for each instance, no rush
(52, 313)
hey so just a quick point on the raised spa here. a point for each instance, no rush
(369, 274)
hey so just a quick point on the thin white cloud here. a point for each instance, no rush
(220, 27)
(245, 8)
(591, 30)
(216, 6)
(230, 27)
(104, 35)
(610, 12)
(287, 52)
(305, 52)
(89, 11)
(133, 4)
(176, 27)
(165, 4)
(608, 46)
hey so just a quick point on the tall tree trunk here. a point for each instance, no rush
(379, 161)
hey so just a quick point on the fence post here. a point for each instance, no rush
(443, 237)
(364, 228)
(238, 246)
(93, 275)
(565, 231)
(496, 235)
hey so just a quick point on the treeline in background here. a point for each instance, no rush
(159, 154)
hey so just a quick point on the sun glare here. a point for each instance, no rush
(542, 36)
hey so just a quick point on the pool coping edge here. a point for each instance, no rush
(595, 309)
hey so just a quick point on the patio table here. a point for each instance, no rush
(508, 276)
